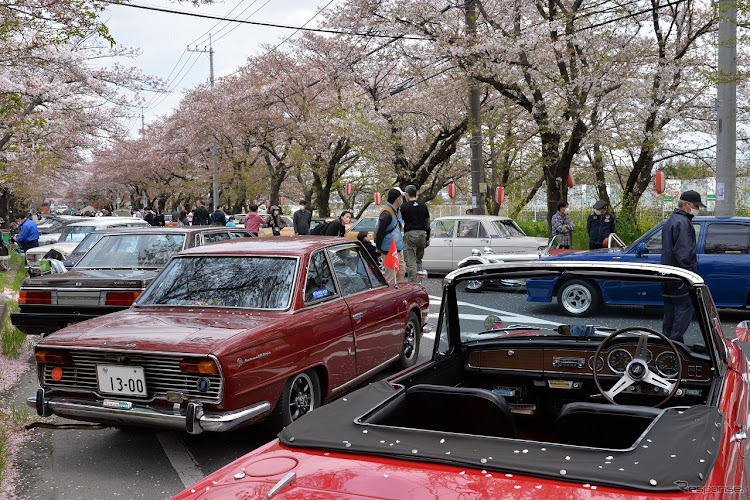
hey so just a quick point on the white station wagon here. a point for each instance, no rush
(453, 238)
(72, 235)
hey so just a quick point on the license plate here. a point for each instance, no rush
(123, 380)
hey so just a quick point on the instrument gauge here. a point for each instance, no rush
(667, 364)
(618, 360)
(599, 363)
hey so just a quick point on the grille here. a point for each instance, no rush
(162, 375)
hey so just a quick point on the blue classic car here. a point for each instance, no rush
(723, 262)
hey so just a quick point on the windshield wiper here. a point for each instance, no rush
(516, 328)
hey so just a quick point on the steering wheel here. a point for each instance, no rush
(637, 370)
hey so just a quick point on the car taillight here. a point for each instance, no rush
(32, 297)
(121, 298)
(204, 366)
(53, 358)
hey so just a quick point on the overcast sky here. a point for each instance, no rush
(164, 37)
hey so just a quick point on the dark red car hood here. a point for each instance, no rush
(199, 331)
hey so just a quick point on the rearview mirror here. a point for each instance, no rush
(742, 330)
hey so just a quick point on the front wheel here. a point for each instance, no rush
(301, 395)
(410, 346)
(578, 298)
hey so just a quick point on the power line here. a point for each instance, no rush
(197, 41)
(257, 23)
(237, 25)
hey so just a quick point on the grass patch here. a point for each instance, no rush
(15, 275)
(11, 419)
(11, 339)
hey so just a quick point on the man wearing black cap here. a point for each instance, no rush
(679, 249)
(599, 225)
(416, 231)
(388, 229)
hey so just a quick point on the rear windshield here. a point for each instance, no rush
(254, 282)
(132, 251)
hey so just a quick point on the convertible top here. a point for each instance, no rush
(677, 451)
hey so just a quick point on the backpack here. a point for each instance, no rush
(320, 229)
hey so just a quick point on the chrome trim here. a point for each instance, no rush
(74, 289)
(563, 266)
(365, 375)
(212, 422)
(40, 370)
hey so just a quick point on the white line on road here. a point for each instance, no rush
(180, 457)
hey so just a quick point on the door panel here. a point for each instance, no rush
(438, 257)
(470, 234)
(725, 262)
(374, 311)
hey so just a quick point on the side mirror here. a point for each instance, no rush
(742, 330)
(640, 249)
(421, 275)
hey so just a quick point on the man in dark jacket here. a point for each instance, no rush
(416, 231)
(301, 219)
(679, 249)
(200, 214)
(599, 225)
(218, 217)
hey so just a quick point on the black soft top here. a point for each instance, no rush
(678, 450)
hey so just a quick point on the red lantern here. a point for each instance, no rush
(281, 200)
(377, 198)
(571, 181)
(499, 195)
(348, 188)
(452, 190)
(660, 180)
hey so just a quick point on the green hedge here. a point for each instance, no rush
(628, 230)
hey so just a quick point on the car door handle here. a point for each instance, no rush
(357, 317)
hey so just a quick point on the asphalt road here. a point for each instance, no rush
(139, 463)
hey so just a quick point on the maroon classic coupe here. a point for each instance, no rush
(231, 333)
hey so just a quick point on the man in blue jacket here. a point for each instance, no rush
(600, 224)
(388, 229)
(679, 249)
(28, 236)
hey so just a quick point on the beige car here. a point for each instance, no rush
(453, 238)
(72, 235)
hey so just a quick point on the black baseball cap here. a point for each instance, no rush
(692, 197)
(600, 204)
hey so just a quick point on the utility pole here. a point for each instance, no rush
(478, 185)
(210, 51)
(143, 125)
(726, 110)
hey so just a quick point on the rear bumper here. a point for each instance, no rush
(38, 323)
(190, 418)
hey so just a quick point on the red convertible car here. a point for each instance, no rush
(512, 406)
(232, 333)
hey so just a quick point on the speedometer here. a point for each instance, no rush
(667, 364)
(618, 360)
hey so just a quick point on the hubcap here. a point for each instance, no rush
(300, 397)
(473, 284)
(576, 299)
(409, 339)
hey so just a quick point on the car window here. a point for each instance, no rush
(214, 237)
(319, 285)
(351, 271)
(442, 229)
(365, 224)
(469, 229)
(132, 251)
(254, 282)
(87, 242)
(239, 234)
(75, 233)
(727, 238)
(653, 243)
(510, 227)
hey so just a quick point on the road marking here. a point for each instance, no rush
(180, 457)
(506, 315)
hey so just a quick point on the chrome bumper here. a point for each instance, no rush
(192, 419)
